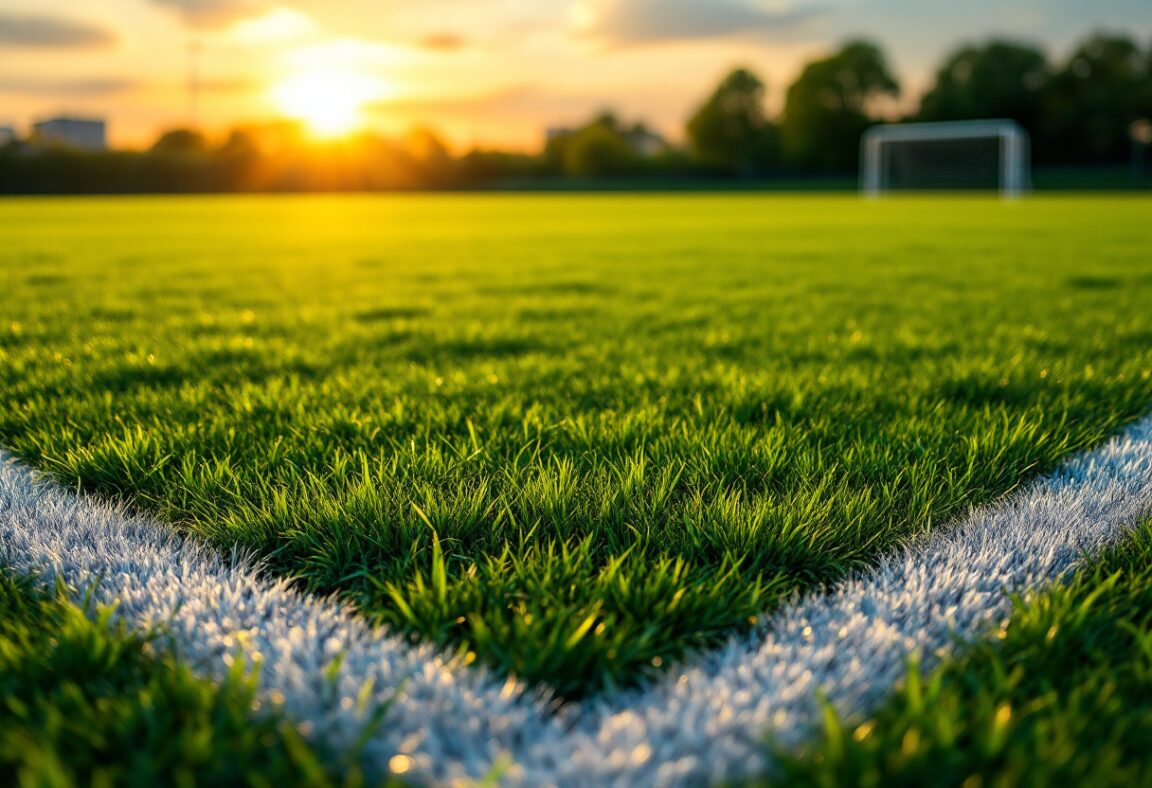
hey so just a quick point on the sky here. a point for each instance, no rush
(489, 73)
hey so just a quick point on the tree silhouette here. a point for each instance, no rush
(1103, 88)
(730, 130)
(827, 109)
(999, 79)
(180, 142)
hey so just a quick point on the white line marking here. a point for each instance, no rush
(454, 720)
(702, 722)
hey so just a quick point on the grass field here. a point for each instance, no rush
(86, 702)
(576, 436)
(1061, 695)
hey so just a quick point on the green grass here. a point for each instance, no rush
(84, 702)
(1061, 696)
(575, 435)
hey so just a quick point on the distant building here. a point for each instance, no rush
(7, 135)
(645, 142)
(87, 134)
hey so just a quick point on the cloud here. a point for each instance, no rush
(279, 26)
(67, 88)
(215, 13)
(444, 42)
(49, 31)
(626, 22)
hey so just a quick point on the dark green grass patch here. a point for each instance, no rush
(1061, 696)
(577, 436)
(85, 702)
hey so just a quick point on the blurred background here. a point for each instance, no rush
(299, 95)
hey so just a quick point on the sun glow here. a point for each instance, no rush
(329, 101)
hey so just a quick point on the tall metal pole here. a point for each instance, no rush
(194, 84)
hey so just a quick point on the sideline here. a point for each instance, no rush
(701, 722)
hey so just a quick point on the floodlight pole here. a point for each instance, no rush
(194, 84)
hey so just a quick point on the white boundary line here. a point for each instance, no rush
(700, 723)
(454, 720)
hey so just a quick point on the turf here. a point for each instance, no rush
(1061, 695)
(87, 703)
(575, 436)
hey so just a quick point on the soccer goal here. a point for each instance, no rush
(960, 155)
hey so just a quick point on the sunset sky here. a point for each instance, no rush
(495, 72)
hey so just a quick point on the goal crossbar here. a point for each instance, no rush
(1014, 168)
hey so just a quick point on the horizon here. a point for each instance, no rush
(493, 78)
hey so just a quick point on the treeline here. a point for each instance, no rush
(1093, 107)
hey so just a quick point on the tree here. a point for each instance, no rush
(237, 161)
(828, 108)
(599, 149)
(730, 130)
(178, 162)
(1144, 108)
(180, 142)
(1103, 88)
(431, 155)
(999, 79)
(1146, 93)
(603, 147)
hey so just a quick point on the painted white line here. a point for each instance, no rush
(703, 722)
(708, 723)
(455, 721)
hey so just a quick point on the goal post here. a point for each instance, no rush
(955, 155)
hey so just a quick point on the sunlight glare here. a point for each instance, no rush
(329, 101)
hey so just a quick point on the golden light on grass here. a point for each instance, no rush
(329, 101)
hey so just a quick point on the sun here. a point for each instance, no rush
(329, 101)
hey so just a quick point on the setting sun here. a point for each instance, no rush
(330, 101)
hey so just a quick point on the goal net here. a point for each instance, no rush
(961, 155)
